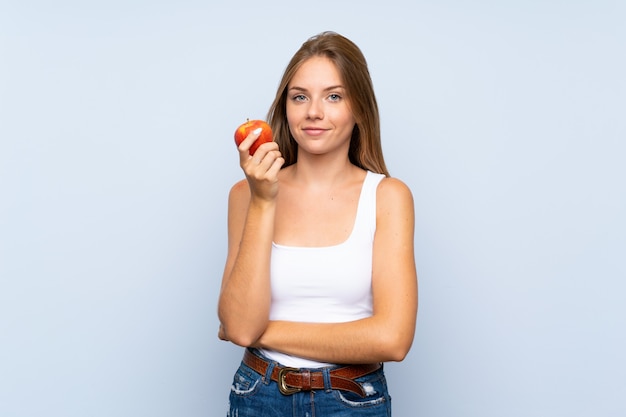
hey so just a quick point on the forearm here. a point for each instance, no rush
(367, 340)
(245, 297)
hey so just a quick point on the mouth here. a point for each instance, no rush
(313, 131)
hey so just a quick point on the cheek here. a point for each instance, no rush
(289, 113)
(347, 121)
(343, 116)
(290, 124)
(292, 112)
(292, 118)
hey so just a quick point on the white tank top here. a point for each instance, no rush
(330, 284)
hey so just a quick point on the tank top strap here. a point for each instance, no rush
(365, 222)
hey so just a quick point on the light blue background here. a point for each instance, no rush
(507, 120)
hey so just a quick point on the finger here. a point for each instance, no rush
(260, 157)
(276, 166)
(269, 166)
(264, 150)
(246, 144)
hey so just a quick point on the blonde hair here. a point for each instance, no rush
(365, 144)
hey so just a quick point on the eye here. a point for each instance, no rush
(334, 97)
(299, 97)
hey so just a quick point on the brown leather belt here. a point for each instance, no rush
(292, 380)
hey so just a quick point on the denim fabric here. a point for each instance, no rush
(255, 395)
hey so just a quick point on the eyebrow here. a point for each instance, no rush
(332, 87)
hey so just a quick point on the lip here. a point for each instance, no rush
(314, 131)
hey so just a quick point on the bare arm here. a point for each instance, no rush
(244, 302)
(388, 334)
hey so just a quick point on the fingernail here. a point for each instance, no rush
(257, 131)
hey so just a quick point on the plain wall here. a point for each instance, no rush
(506, 119)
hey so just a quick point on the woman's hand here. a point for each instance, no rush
(221, 334)
(261, 169)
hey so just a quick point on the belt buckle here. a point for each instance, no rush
(282, 384)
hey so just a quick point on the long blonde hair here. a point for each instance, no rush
(365, 144)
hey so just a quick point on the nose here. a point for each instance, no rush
(315, 110)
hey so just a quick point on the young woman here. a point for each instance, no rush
(320, 283)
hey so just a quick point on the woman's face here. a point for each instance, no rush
(318, 111)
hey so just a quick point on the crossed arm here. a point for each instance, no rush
(385, 336)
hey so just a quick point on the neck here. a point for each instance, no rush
(321, 171)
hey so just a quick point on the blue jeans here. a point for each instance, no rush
(256, 395)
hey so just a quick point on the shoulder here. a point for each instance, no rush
(392, 191)
(240, 186)
(394, 202)
(395, 211)
(239, 193)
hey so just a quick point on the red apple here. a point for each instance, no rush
(245, 129)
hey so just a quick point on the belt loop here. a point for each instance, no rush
(267, 378)
(326, 375)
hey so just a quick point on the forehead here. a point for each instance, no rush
(316, 72)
